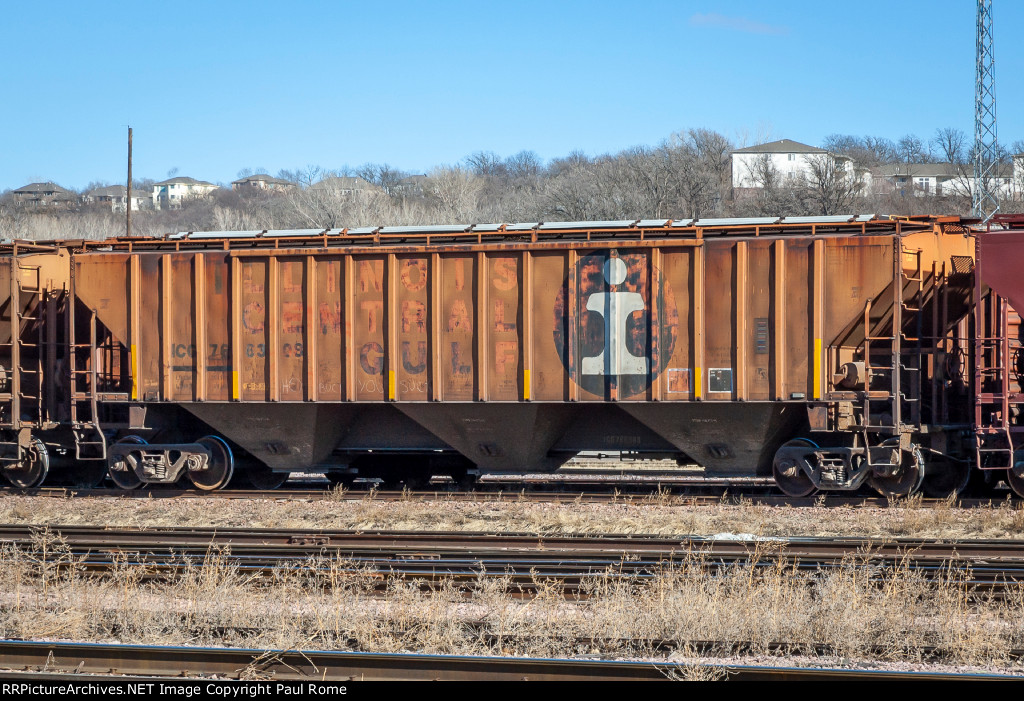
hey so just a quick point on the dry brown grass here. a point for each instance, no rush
(659, 514)
(858, 611)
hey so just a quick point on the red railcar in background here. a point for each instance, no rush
(998, 368)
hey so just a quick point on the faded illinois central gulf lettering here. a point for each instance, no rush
(456, 320)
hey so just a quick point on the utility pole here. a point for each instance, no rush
(984, 202)
(128, 192)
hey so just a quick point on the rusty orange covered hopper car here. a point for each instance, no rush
(828, 352)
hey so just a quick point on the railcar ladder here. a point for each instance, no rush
(21, 406)
(23, 403)
(897, 357)
(90, 443)
(995, 401)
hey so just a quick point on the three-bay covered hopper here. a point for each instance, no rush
(819, 347)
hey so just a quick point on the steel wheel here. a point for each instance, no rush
(904, 483)
(464, 479)
(945, 478)
(788, 475)
(1016, 483)
(262, 477)
(420, 480)
(32, 469)
(220, 469)
(123, 473)
(88, 474)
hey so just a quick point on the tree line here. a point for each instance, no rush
(689, 174)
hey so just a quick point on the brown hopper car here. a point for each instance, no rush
(828, 351)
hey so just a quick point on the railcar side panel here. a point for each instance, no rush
(747, 320)
(254, 376)
(329, 360)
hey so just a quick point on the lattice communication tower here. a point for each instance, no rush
(984, 202)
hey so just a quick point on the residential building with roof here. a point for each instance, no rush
(350, 186)
(942, 179)
(45, 195)
(261, 182)
(171, 193)
(412, 185)
(114, 197)
(789, 159)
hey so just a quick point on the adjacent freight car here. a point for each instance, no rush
(826, 351)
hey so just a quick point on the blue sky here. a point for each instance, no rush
(214, 87)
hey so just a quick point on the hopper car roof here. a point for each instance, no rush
(546, 232)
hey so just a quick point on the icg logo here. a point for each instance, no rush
(624, 336)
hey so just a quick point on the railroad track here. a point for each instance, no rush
(523, 559)
(25, 660)
(617, 495)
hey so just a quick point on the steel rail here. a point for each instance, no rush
(522, 559)
(71, 661)
(622, 494)
(459, 541)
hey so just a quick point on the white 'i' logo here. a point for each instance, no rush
(616, 308)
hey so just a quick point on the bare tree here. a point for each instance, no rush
(569, 192)
(303, 177)
(832, 185)
(381, 175)
(911, 149)
(455, 191)
(954, 149)
(867, 152)
(775, 195)
(486, 164)
(524, 165)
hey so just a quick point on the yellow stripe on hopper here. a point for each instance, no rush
(817, 368)
(526, 383)
(135, 373)
(696, 383)
(391, 384)
(234, 385)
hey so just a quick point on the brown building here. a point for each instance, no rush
(261, 182)
(45, 195)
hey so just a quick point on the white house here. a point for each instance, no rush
(114, 197)
(171, 193)
(346, 185)
(790, 160)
